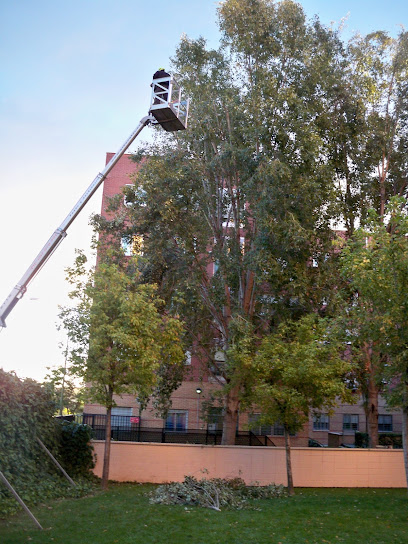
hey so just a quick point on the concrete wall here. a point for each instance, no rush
(312, 467)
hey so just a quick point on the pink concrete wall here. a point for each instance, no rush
(312, 467)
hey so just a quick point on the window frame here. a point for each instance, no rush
(353, 426)
(215, 419)
(188, 356)
(319, 425)
(383, 424)
(276, 429)
(175, 428)
(120, 418)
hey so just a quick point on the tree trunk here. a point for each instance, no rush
(405, 432)
(230, 422)
(383, 170)
(106, 457)
(372, 396)
(289, 463)
(372, 410)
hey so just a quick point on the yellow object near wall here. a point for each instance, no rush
(312, 467)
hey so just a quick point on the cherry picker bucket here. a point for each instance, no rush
(167, 104)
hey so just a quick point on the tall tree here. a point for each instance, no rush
(380, 64)
(376, 265)
(300, 369)
(229, 227)
(370, 140)
(120, 339)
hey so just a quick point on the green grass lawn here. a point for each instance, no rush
(123, 515)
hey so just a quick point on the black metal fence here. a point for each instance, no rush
(128, 428)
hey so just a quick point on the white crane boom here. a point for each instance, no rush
(59, 234)
(166, 109)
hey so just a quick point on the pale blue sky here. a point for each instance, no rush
(74, 82)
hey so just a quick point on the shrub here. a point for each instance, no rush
(361, 440)
(26, 411)
(75, 448)
(390, 439)
(213, 493)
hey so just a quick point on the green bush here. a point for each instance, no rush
(361, 440)
(384, 439)
(214, 493)
(390, 439)
(26, 412)
(75, 448)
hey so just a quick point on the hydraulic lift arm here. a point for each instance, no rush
(60, 233)
(166, 109)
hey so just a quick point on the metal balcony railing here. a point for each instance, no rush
(131, 429)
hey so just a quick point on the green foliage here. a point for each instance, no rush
(368, 125)
(393, 440)
(375, 264)
(75, 448)
(290, 130)
(361, 440)
(300, 368)
(68, 394)
(233, 191)
(26, 411)
(214, 493)
(121, 341)
(369, 132)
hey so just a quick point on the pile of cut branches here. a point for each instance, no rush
(214, 493)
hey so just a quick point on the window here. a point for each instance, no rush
(227, 215)
(218, 365)
(120, 417)
(321, 422)
(187, 360)
(215, 418)
(256, 428)
(316, 258)
(384, 423)
(350, 422)
(276, 429)
(176, 420)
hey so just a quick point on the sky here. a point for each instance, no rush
(74, 83)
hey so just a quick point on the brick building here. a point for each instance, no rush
(187, 401)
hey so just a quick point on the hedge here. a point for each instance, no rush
(27, 410)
